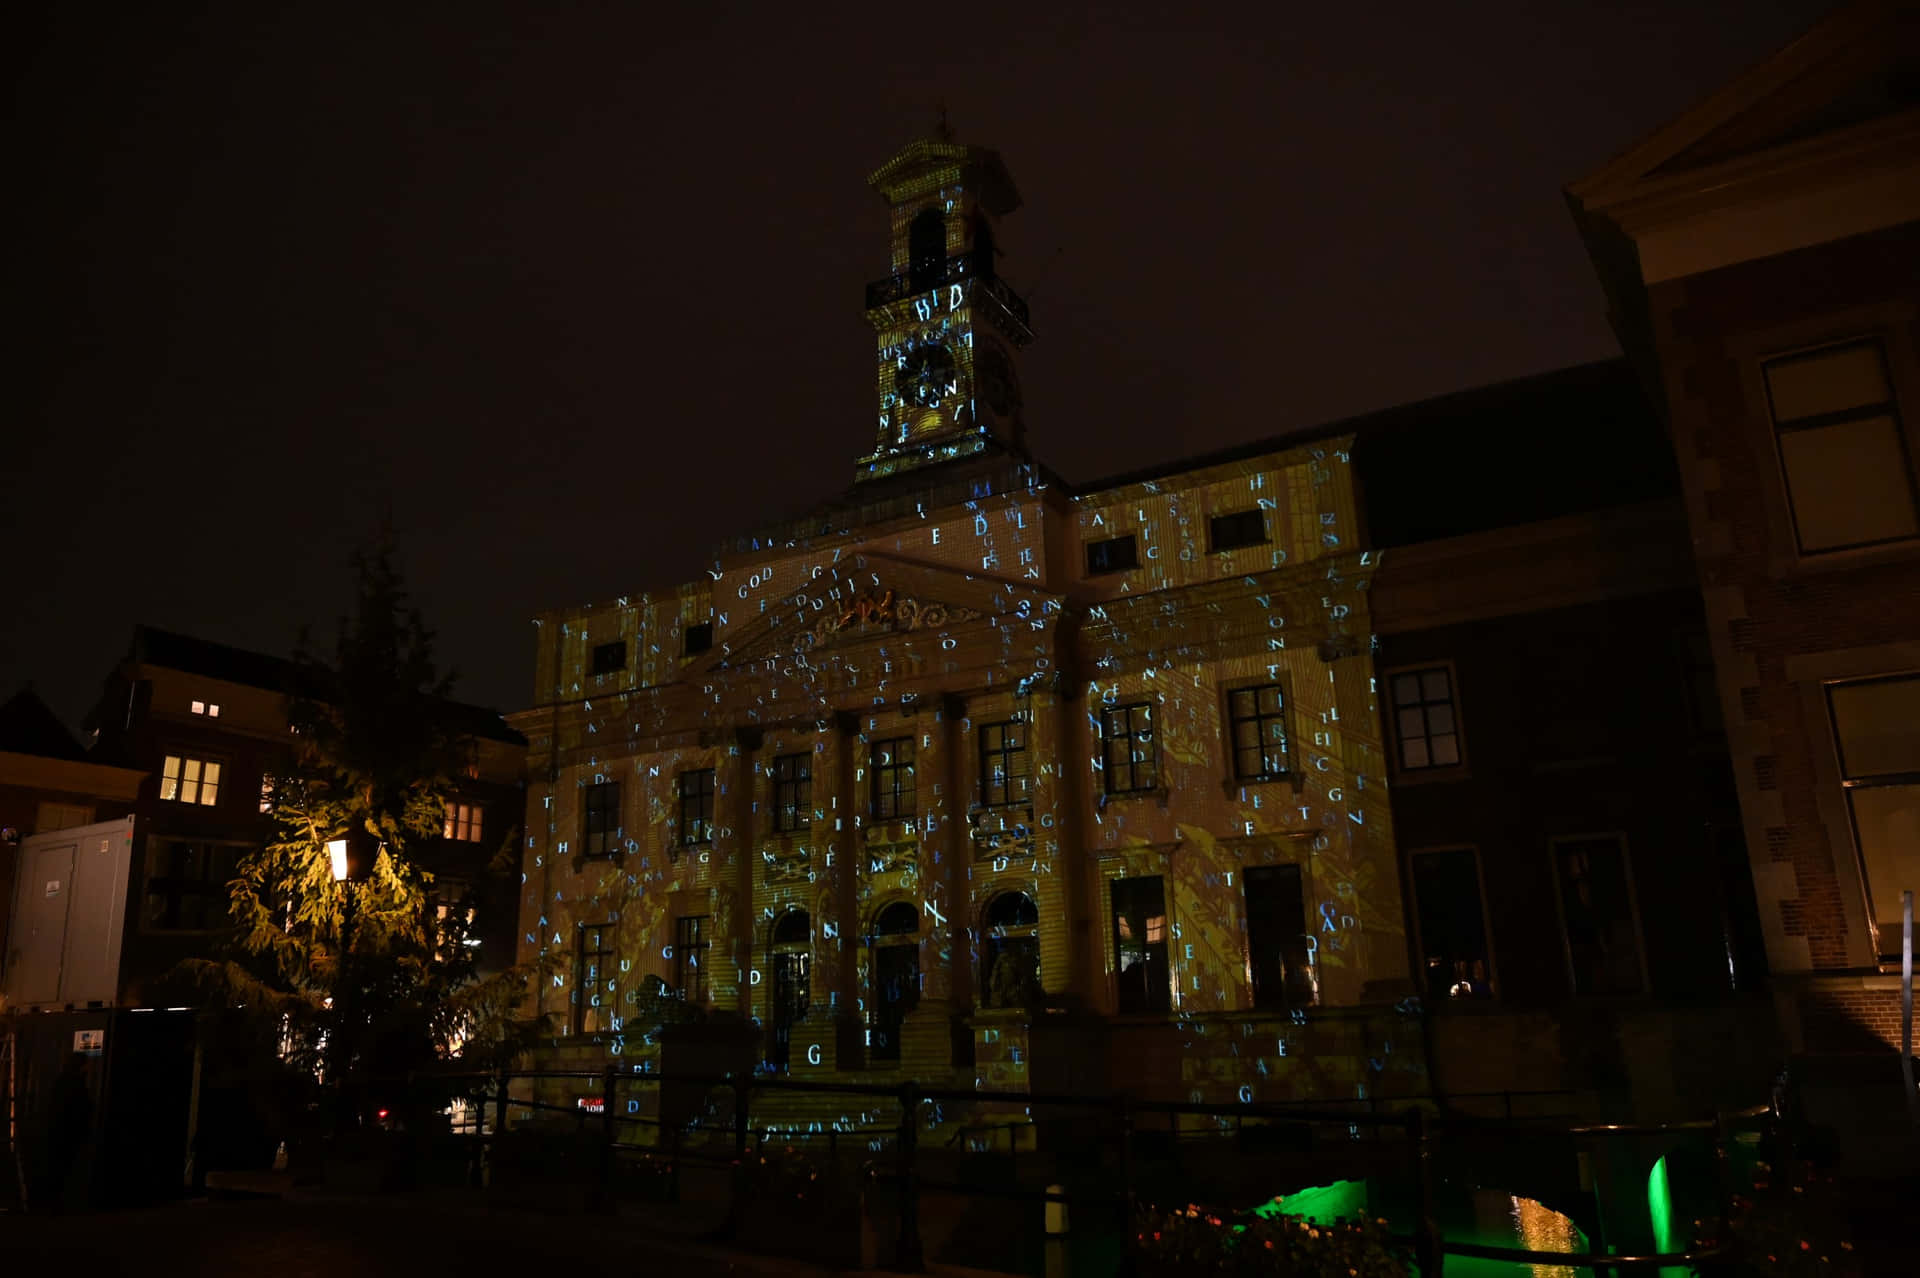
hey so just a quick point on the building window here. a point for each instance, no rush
(1241, 528)
(187, 885)
(1453, 925)
(891, 763)
(267, 784)
(1116, 554)
(463, 822)
(1140, 944)
(790, 952)
(1596, 910)
(1279, 957)
(894, 971)
(1842, 450)
(593, 979)
(1257, 722)
(600, 830)
(1876, 724)
(697, 639)
(690, 957)
(696, 807)
(1005, 773)
(610, 657)
(184, 780)
(792, 792)
(1424, 721)
(1128, 756)
(1010, 967)
(207, 708)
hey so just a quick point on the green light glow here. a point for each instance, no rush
(1322, 1204)
(1660, 1208)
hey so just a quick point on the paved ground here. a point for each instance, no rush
(359, 1238)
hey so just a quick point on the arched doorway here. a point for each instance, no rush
(894, 969)
(790, 944)
(1010, 968)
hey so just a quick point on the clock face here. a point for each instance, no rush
(997, 387)
(924, 374)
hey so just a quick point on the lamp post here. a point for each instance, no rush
(345, 1007)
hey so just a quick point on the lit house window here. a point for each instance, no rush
(209, 709)
(1128, 758)
(1423, 719)
(266, 793)
(792, 792)
(690, 957)
(463, 822)
(1843, 452)
(1876, 724)
(1140, 944)
(184, 780)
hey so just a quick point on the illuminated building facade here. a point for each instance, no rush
(1761, 256)
(973, 760)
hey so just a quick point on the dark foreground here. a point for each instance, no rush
(358, 1238)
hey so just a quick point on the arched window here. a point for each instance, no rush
(898, 919)
(926, 249)
(789, 944)
(1010, 970)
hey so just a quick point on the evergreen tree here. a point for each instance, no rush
(369, 977)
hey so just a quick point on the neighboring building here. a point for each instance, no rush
(47, 784)
(207, 726)
(1578, 907)
(1761, 257)
(971, 742)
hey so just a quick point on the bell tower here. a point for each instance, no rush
(949, 329)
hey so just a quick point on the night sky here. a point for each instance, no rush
(577, 290)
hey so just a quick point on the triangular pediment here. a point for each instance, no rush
(869, 595)
(1857, 66)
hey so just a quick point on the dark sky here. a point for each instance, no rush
(578, 289)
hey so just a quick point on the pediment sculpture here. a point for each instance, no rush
(882, 608)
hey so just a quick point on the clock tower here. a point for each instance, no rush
(949, 328)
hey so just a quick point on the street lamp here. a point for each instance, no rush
(337, 853)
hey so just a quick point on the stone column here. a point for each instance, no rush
(821, 1042)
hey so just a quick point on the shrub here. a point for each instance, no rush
(1190, 1241)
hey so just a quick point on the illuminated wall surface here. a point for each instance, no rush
(916, 708)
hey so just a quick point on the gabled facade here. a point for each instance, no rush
(1761, 257)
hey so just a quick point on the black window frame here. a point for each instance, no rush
(696, 808)
(696, 639)
(609, 658)
(890, 763)
(1120, 727)
(1279, 949)
(175, 887)
(1230, 531)
(792, 777)
(1259, 716)
(200, 782)
(1105, 558)
(1565, 885)
(1154, 996)
(1434, 919)
(600, 820)
(690, 945)
(993, 746)
(604, 950)
(1423, 706)
(1854, 779)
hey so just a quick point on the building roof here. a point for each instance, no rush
(28, 726)
(1559, 443)
(170, 650)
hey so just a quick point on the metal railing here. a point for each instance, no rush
(1414, 1121)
